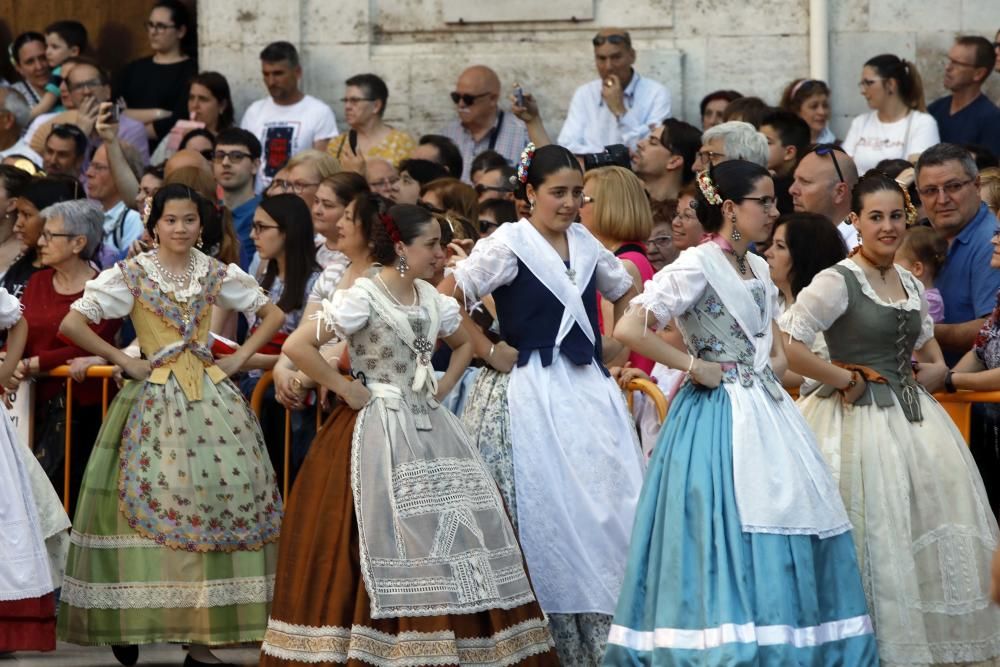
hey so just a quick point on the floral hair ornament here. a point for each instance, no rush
(708, 188)
(911, 210)
(390, 227)
(527, 155)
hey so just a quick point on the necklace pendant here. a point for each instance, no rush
(571, 274)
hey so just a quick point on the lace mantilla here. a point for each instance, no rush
(199, 270)
(333, 644)
(168, 594)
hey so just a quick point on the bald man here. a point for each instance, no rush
(187, 158)
(618, 107)
(481, 124)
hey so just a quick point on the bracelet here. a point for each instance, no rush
(851, 384)
(492, 349)
(949, 383)
(690, 365)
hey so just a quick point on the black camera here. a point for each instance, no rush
(615, 155)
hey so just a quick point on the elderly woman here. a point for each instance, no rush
(70, 234)
(364, 106)
(305, 171)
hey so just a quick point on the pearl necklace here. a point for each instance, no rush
(393, 296)
(181, 279)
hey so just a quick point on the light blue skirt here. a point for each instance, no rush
(700, 591)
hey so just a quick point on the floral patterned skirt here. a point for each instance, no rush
(580, 638)
(322, 612)
(123, 586)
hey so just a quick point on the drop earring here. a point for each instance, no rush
(156, 240)
(402, 266)
(859, 237)
(201, 240)
(735, 234)
(531, 204)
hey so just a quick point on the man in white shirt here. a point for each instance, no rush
(14, 115)
(287, 121)
(122, 225)
(823, 182)
(617, 108)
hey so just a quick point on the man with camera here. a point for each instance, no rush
(481, 124)
(618, 107)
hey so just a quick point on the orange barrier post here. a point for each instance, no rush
(651, 390)
(959, 407)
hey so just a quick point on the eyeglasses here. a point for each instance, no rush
(661, 240)
(612, 39)
(951, 189)
(48, 236)
(159, 27)
(234, 156)
(84, 85)
(951, 62)
(208, 154)
(865, 84)
(767, 202)
(298, 187)
(355, 100)
(384, 183)
(831, 150)
(466, 98)
(481, 189)
(710, 156)
(257, 228)
(485, 225)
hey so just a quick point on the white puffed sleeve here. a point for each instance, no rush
(816, 307)
(240, 292)
(10, 309)
(490, 265)
(613, 279)
(448, 314)
(106, 297)
(926, 322)
(673, 290)
(326, 284)
(347, 312)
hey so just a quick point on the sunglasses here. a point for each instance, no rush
(831, 150)
(466, 98)
(432, 208)
(481, 189)
(69, 128)
(485, 225)
(613, 39)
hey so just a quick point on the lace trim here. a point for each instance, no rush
(797, 325)
(909, 282)
(200, 270)
(655, 308)
(85, 541)
(311, 645)
(89, 308)
(944, 652)
(168, 594)
(822, 534)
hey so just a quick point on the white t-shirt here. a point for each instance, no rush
(869, 141)
(284, 131)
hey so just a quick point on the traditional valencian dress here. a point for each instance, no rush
(557, 433)
(396, 550)
(179, 514)
(33, 535)
(741, 552)
(922, 522)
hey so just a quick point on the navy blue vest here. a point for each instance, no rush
(529, 316)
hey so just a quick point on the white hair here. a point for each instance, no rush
(15, 104)
(740, 141)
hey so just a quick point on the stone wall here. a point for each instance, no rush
(693, 46)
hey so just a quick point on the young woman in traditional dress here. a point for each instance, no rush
(398, 550)
(179, 513)
(923, 527)
(555, 430)
(741, 552)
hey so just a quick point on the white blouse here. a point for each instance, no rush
(825, 299)
(10, 309)
(493, 264)
(326, 284)
(348, 311)
(108, 297)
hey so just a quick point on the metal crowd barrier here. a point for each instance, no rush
(957, 405)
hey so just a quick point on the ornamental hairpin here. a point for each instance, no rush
(708, 188)
(527, 155)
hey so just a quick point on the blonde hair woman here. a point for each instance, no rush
(616, 210)
(989, 188)
(305, 171)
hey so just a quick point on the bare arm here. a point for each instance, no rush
(779, 361)
(302, 348)
(17, 338)
(125, 181)
(321, 144)
(958, 337)
(970, 373)
(633, 331)
(75, 327)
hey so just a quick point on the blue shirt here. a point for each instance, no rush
(967, 283)
(978, 123)
(242, 222)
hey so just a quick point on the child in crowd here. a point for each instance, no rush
(923, 253)
(63, 40)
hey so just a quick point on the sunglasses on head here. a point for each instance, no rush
(466, 98)
(480, 188)
(613, 39)
(831, 150)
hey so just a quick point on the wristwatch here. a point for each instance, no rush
(949, 384)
